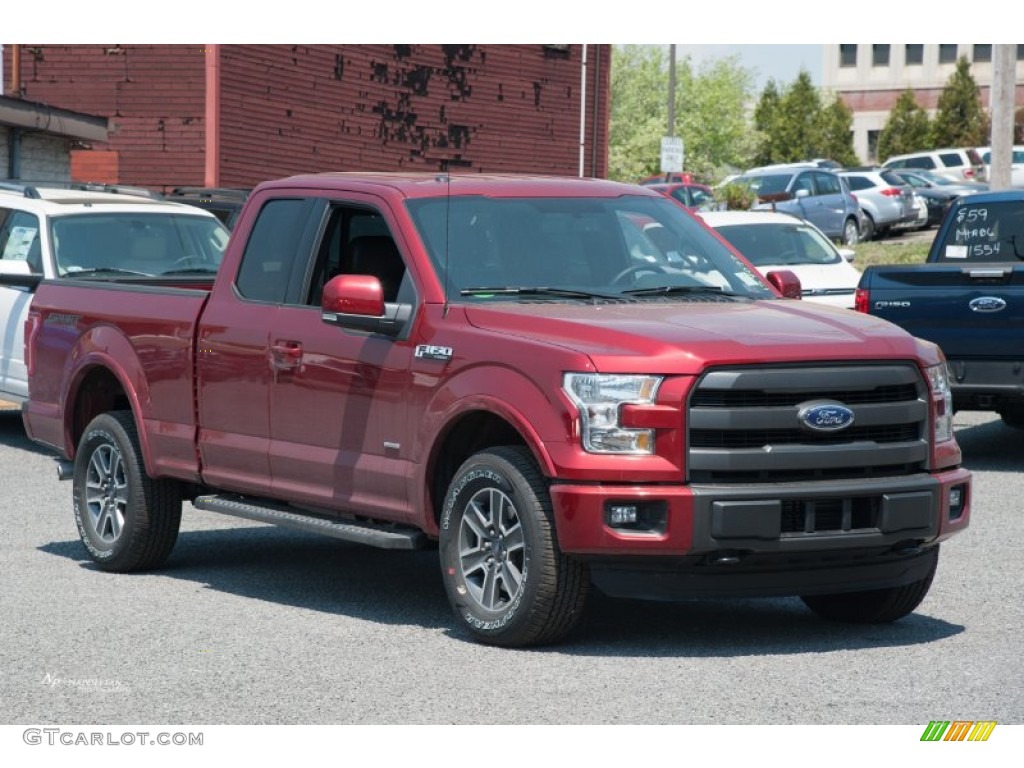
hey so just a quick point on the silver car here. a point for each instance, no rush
(886, 200)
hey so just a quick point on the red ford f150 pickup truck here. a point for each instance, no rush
(562, 382)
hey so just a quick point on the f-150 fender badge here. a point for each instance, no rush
(431, 352)
(887, 304)
(987, 304)
(825, 416)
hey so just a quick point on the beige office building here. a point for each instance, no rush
(871, 77)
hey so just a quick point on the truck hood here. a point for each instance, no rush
(685, 337)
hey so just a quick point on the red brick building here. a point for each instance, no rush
(234, 115)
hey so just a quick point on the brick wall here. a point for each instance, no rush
(293, 109)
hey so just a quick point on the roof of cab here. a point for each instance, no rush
(416, 185)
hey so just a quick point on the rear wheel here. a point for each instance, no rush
(851, 232)
(127, 521)
(867, 230)
(1013, 416)
(877, 606)
(506, 579)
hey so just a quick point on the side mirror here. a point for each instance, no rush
(18, 273)
(356, 302)
(802, 193)
(848, 254)
(786, 283)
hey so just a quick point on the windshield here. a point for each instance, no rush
(780, 244)
(597, 248)
(148, 244)
(985, 232)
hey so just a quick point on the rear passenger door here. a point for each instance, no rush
(338, 398)
(234, 370)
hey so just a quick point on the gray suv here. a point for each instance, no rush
(808, 192)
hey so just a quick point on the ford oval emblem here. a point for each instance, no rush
(987, 304)
(825, 416)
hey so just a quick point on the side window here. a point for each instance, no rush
(828, 184)
(699, 196)
(19, 238)
(951, 159)
(357, 241)
(804, 181)
(925, 161)
(857, 183)
(272, 250)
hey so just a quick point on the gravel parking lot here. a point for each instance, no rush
(254, 624)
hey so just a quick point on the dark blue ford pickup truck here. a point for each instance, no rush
(968, 298)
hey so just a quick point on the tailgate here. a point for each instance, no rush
(970, 311)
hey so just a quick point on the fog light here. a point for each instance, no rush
(622, 514)
(957, 498)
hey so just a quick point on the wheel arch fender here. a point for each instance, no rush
(101, 354)
(480, 408)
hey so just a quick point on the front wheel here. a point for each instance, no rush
(876, 606)
(127, 521)
(505, 577)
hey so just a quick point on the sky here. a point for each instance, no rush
(781, 63)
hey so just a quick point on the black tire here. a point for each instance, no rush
(1013, 416)
(878, 606)
(127, 521)
(506, 579)
(867, 230)
(851, 232)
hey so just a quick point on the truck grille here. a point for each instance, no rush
(744, 425)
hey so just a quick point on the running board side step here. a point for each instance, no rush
(375, 535)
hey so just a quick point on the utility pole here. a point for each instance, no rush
(671, 98)
(1001, 99)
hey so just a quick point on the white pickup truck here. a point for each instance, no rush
(48, 233)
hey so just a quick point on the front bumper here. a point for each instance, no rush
(782, 538)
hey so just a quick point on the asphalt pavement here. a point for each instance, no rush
(250, 624)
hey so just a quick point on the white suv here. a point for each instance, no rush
(953, 163)
(48, 233)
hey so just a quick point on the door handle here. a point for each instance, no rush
(285, 355)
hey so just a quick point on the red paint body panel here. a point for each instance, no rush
(268, 400)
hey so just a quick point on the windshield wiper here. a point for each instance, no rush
(676, 290)
(560, 293)
(105, 271)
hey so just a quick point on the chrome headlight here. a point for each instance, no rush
(599, 397)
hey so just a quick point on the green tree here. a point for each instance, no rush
(710, 114)
(798, 129)
(960, 121)
(765, 116)
(907, 129)
(835, 131)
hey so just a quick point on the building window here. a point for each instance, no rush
(880, 55)
(1020, 53)
(873, 145)
(947, 53)
(914, 54)
(982, 53)
(848, 55)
